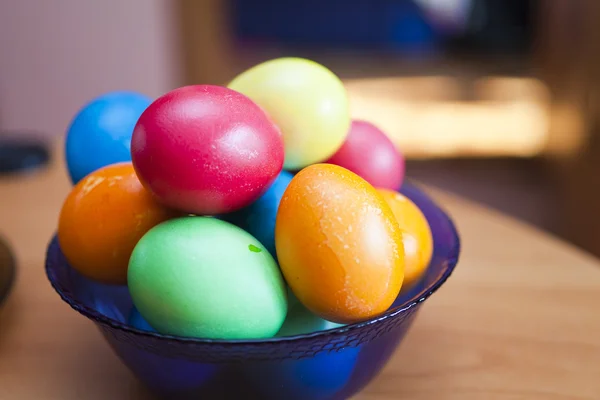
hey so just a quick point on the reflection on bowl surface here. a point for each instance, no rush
(332, 364)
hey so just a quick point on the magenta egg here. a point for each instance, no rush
(206, 150)
(369, 153)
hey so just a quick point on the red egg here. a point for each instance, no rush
(369, 153)
(206, 149)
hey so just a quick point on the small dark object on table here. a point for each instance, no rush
(22, 152)
(7, 269)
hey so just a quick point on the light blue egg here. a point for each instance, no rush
(259, 218)
(137, 321)
(300, 321)
(100, 133)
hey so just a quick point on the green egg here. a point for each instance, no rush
(206, 278)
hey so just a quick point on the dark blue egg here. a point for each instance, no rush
(259, 218)
(100, 133)
(137, 321)
(322, 376)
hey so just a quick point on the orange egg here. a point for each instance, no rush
(416, 235)
(338, 244)
(103, 218)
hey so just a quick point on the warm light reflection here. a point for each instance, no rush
(442, 116)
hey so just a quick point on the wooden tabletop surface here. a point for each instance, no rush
(519, 319)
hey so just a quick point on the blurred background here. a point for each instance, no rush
(493, 100)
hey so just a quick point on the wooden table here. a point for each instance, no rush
(519, 319)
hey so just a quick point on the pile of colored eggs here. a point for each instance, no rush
(254, 210)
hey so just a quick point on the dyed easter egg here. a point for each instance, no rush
(325, 375)
(416, 236)
(137, 321)
(259, 218)
(300, 321)
(153, 366)
(206, 149)
(206, 278)
(370, 153)
(100, 133)
(102, 219)
(338, 244)
(306, 100)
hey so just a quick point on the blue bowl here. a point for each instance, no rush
(332, 364)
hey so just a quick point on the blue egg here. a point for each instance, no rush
(259, 218)
(322, 376)
(325, 375)
(100, 133)
(137, 321)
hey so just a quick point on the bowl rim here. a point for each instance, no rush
(451, 260)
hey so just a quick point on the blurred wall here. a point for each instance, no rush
(56, 55)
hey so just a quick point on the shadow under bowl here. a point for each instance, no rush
(332, 364)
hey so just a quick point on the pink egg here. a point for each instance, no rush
(369, 153)
(206, 149)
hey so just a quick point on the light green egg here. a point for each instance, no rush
(306, 100)
(205, 278)
(300, 321)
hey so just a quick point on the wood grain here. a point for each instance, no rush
(518, 320)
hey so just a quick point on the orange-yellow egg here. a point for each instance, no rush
(103, 218)
(416, 235)
(339, 245)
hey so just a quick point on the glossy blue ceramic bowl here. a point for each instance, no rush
(333, 364)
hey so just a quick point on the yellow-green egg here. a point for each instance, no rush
(306, 100)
